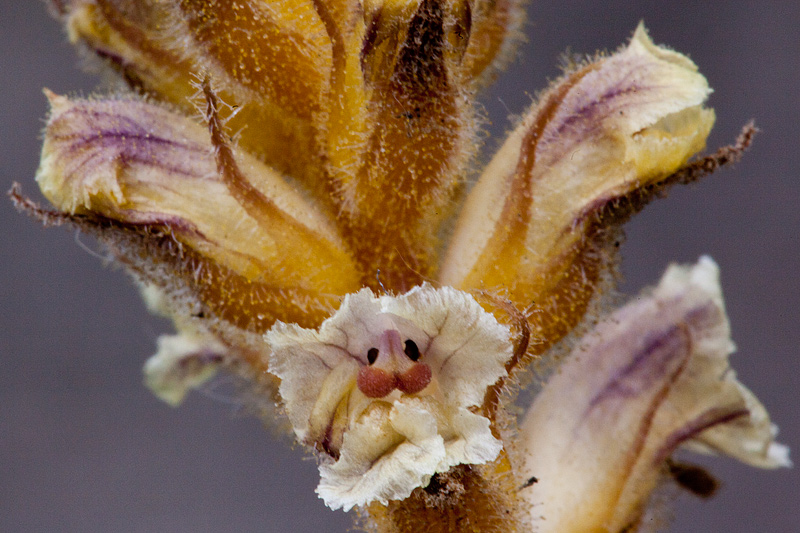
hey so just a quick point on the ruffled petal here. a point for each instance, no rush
(365, 472)
(380, 444)
(457, 329)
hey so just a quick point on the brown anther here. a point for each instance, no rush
(415, 379)
(374, 382)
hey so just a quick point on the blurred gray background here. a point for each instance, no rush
(85, 447)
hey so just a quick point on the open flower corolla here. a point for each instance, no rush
(386, 389)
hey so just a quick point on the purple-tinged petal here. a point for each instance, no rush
(139, 164)
(651, 377)
(537, 224)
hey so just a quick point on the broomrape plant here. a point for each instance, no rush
(311, 230)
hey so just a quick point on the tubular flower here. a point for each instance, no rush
(651, 377)
(285, 180)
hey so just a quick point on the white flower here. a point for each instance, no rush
(388, 390)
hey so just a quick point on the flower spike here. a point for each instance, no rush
(307, 232)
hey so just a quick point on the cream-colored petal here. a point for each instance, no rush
(183, 362)
(365, 472)
(466, 347)
(652, 376)
(318, 368)
(316, 376)
(141, 165)
(468, 439)
(420, 446)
